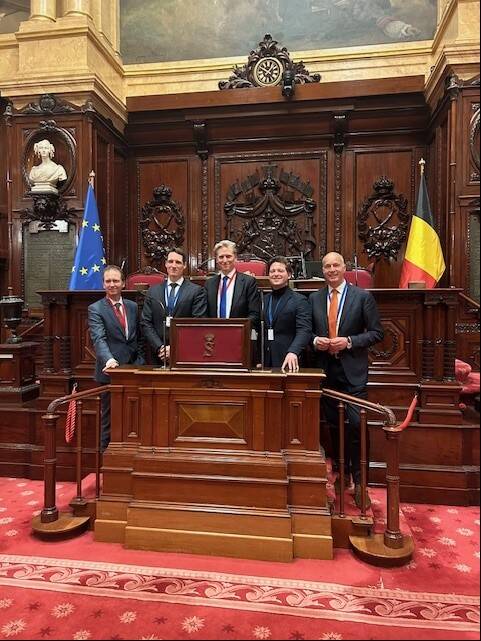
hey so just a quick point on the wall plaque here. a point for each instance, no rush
(48, 259)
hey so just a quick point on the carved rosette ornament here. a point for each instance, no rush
(162, 224)
(265, 68)
(271, 222)
(382, 222)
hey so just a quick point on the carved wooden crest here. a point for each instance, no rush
(264, 217)
(162, 224)
(382, 222)
(266, 66)
(47, 209)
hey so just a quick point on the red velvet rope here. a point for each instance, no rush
(409, 415)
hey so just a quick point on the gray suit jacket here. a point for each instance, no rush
(359, 320)
(109, 339)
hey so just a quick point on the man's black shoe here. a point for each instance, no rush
(358, 497)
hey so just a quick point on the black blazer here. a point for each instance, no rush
(292, 327)
(109, 339)
(359, 320)
(191, 303)
(246, 300)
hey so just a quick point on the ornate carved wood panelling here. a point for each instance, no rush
(382, 215)
(272, 204)
(271, 214)
(162, 226)
(174, 217)
(382, 221)
(84, 141)
(474, 143)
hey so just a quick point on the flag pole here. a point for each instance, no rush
(422, 163)
(91, 179)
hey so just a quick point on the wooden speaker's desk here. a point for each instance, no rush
(217, 462)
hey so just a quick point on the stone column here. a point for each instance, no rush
(77, 8)
(43, 10)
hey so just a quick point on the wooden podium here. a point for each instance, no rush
(216, 462)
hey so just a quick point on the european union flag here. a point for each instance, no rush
(89, 262)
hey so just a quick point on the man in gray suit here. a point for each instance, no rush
(345, 324)
(175, 298)
(113, 326)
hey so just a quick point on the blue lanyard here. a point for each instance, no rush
(341, 302)
(270, 315)
(170, 310)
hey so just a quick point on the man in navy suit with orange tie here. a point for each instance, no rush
(345, 322)
(113, 326)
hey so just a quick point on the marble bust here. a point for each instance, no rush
(45, 176)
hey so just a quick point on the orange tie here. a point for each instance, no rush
(332, 317)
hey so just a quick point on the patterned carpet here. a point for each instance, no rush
(81, 589)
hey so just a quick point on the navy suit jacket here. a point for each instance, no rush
(109, 339)
(191, 303)
(291, 324)
(246, 299)
(359, 320)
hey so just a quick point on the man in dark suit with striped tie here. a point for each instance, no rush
(177, 297)
(345, 322)
(232, 294)
(113, 326)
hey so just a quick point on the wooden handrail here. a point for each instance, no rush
(471, 301)
(391, 548)
(30, 328)
(76, 396)
(50, 520)
(390, 418)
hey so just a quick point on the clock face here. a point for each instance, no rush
(267, 72)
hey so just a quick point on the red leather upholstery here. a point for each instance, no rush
(255, 266)
(364, 278)
(142, 280)
(468, 379)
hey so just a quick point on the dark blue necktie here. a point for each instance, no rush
(171, 299)
(223, 298)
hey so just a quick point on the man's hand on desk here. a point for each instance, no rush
(291, 363)
(110, 364)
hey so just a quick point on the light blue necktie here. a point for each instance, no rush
(223, 298)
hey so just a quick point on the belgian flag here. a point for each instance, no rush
(423, 260)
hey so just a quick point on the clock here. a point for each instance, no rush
(267, 72)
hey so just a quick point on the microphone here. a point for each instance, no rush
(164, 332)
(303, 264)
(355, 267)
(205, 263)
(263, 338)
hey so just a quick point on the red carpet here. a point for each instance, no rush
(48, 589)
